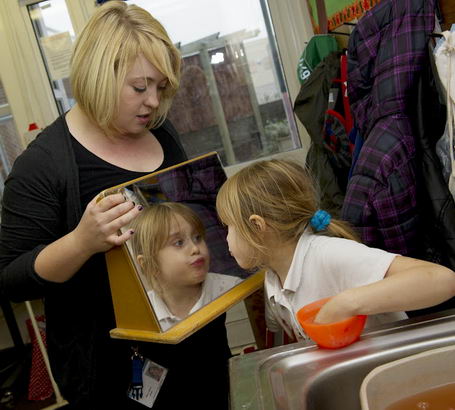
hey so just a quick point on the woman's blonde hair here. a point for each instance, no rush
(107, 47)
(151, 232)
(282, 193)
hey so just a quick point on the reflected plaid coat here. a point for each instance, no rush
(386, 52)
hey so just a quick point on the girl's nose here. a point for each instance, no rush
(195, 248)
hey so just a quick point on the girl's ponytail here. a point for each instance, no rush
(322, 221)
(342, 229)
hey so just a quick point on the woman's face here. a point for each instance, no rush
(139, 97)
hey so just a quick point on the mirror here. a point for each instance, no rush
(176, 274)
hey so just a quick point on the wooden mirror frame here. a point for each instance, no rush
(134, 316)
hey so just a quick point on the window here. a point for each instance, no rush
(10, 146)
(54, 32)
(233, 97)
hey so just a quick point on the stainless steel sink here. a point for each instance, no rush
(304, 377)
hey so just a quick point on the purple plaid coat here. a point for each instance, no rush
(385, 55)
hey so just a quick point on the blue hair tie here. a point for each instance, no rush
(320, 220)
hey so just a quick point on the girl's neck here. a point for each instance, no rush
(181, 300)
(280, 259)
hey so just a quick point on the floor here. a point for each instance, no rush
(16, 397)
(22, 403)
(14, 379)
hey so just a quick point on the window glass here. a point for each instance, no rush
(3, 99)
(54, 32)
(233, 98)
(10, 145)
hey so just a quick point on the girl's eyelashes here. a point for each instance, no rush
(181, 241)
(139, 90)
(178, 243)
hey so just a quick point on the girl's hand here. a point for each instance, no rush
(336, 309)
(98, 229)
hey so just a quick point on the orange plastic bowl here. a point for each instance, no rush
(330, 335)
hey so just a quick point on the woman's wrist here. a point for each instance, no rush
(79, 247)
(60, 260)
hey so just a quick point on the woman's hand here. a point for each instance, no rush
(98, 230)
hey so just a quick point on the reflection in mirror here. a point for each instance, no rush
(170, 248)
(179, 246)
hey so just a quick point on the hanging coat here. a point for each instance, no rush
(435, 199)
(386, 52)
(311, 108)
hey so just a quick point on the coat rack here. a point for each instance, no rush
(344, 13)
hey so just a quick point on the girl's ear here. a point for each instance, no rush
(258, 222)
(140, 260)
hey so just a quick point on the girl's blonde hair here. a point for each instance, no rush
(151, 232)
(283, 194)
(107, 47)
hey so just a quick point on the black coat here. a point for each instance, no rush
(439, 206)
(310, 107)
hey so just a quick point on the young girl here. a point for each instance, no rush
(169, 246)
(271, 211)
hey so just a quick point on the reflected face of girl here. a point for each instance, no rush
(139, 97)
(184, 260)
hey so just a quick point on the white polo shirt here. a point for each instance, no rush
(214, 285)
(323, 266)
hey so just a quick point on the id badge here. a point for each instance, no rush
(153, 376)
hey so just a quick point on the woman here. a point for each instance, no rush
(125, 71)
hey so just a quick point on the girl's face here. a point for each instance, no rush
(184, 260)
(239, 248)
(139, 97)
